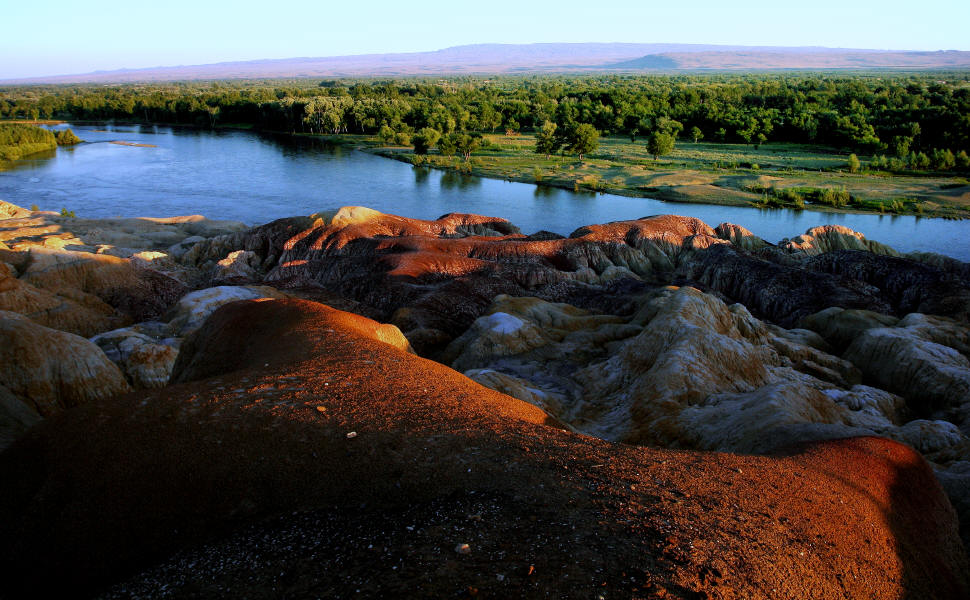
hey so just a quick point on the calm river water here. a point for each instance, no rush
(257, 178)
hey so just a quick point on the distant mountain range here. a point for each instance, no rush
(541, 58)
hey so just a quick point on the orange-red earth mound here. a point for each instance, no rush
(307, 453)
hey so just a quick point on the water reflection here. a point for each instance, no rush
(421, 175)
(289, 145)
(27, 164)
(453, 180)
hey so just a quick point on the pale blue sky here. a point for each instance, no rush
(72, 36)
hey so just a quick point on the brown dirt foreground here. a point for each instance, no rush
(250, 484)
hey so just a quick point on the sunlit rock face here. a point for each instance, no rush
(829, 238)
(75, 312)
(89, 276)
(281, 441)
(740, 237)
(47, 371)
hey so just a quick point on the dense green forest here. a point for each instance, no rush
(905, 122)
(17, 141)
(890, 114)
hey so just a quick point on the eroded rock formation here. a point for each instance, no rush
(46, 371)
(659, 331)
(294, 451)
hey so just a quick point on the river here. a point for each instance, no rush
(256, 178)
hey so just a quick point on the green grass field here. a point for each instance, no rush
(709, 173)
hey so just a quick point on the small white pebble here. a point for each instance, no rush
(351, 435)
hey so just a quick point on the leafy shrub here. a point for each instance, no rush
(835, 197)
(66, 137)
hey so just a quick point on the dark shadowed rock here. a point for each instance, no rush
(781, 293)
(841, 326)
(907, 285)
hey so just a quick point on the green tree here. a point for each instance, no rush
(900, 145)
(546, 140)
(585, 139)
(854, 163)
(488, 117)
(943, 160)
(213, 112)
(448, 144)
(668, 125)
(695, 132)
(386, 134)
(919, 161)
(424, 139)
(660, 144)
(963, 160)
(466, 144)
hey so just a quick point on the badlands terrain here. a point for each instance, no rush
(353, 403)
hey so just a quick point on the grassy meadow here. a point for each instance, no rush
(774, 175)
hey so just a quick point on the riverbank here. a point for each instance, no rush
(770, 176)
(792, 176)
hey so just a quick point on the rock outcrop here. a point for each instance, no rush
(88, 276)
(829, 238)
(12, 211)
(75, 312)
(686, 370)
(908, 286)
(142, 353)
(292, 450)
(146, 353)
(122, 237)
(46, 371)
(934, 377)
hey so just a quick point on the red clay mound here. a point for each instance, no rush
(317, 460)
(433, 278)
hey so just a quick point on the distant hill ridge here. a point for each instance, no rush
(541, 58)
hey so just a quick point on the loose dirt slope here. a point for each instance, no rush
(352, 464)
